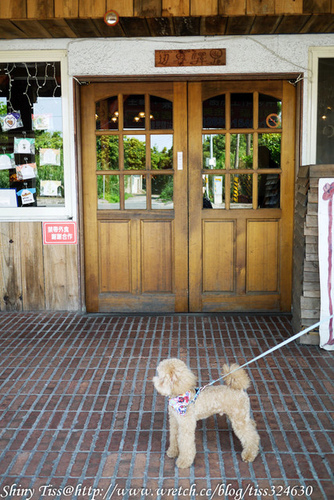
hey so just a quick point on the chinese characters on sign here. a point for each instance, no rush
(59, 233)
(192, 57)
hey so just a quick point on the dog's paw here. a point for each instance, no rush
(249, 455)
(184, 462)
(172, 452)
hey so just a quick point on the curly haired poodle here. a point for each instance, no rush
(188, 404)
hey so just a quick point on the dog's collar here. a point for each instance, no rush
(181, 402)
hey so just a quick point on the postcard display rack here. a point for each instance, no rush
(19, 182)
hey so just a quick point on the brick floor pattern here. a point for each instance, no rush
(80, 417)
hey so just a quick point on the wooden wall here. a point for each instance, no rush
(306, 282)
(46, 9)
(33, 276)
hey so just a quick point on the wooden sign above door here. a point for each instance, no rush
(191, 57)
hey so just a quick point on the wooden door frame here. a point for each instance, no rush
(80, 86)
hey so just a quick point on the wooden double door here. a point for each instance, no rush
(188, 192)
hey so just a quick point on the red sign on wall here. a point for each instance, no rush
(59, 233)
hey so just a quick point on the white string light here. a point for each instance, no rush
(55, 79)
(10, 83)
(28, 85)
(36, 80)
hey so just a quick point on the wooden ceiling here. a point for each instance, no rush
(149, 18)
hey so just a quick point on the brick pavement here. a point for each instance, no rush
(80, 417)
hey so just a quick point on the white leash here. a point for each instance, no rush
(290, 339)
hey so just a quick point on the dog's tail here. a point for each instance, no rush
(237, 380)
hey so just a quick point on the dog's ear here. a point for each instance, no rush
(182, 379)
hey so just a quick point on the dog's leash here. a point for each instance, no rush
(291, 339)
(174, 401)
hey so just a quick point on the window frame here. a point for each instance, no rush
(66, 211)
(315, 53)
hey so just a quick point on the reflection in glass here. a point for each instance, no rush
(107, 152)
(162, 192)
(108, 192)
(31, 133)
(241, 151)
(134, 152)
(161, 151)
(213, 151)
(213, 191)
(135, 192)
(134, 112)
(106, 114)
(214, 112)
(241, 191)
(270, 111)
(325, 112)
(241, 110)
(269, 152)
(161, 113)
(269, 191)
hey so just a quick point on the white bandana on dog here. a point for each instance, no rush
(180, 403)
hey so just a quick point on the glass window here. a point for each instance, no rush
(161, 152)
(135, 152)
(270, 111)
(241, 191)
(134, 112)
(269, 151)
(161, 113)
(213, 191)
(107, 152)
(135, 192)
(241, 151)
(108, 195)
(241, 110)
(32, 144)
(214, 112)
(107, 114)
(269, 190)
(214, 151)
(134, 162)
(325, 118)
(162, 192)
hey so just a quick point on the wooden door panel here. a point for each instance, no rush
(115, 256)
(157, 256)
(218, 256)
(237, 247)
(135, 244)
(262, 256)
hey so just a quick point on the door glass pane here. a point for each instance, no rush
(108, 192)
(241, 191)
(325, 117)
(241, 151)
(161, 113)
(134, 152)
(135, 192)
(269, 151)
(214, 151)
(161, 151)
(134, 112)
(270, 111)
(162, 192)
(106, 114)
(241, 110)
(213, 191)
(214, 112)
(269, 191)
(107, 152)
